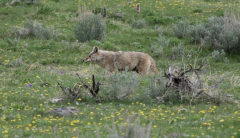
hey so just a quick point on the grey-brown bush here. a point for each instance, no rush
(90, 27)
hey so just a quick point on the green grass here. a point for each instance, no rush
(23, 106)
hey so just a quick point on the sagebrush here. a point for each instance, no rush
(120, 86)
(218, 56)
(90, 27)
(180, 29)
(139, 24)
(218, 32)
(157, 48)
(32, 28)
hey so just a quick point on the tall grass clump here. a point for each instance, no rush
(218, 32)
(139, 24)
(90, 27)
(35, 29)
(180, 29)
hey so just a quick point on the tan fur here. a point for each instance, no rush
(140, 62)
(138, 8)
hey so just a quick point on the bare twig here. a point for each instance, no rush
(191, 69)
(95, 87)
(208, 95)
(84, 84)
(62, 88)
(199, 93)
(123, 96)
(70, 93)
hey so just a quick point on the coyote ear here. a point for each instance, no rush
(95, 49)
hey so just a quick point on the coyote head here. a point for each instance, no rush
(92, 55)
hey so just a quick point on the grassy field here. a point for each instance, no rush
(27, 63)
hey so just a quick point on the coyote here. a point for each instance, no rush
(140, 62)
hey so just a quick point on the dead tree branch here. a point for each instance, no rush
(191, 70)
(94, 88)
(71, 94)
(180, 81)
(76, 92)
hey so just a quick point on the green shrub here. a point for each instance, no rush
(16, 63)
(157, 49)
(42, 32)
(196, 33)
(218, 56)
(163, 41)
(156, 88)
(33, 28)
(120, 86)
(139, 24)
(180, 29)
(90, 27)
(177, 50)
(218, 32)
(12, 42)
(213, 28)
(229, 40)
